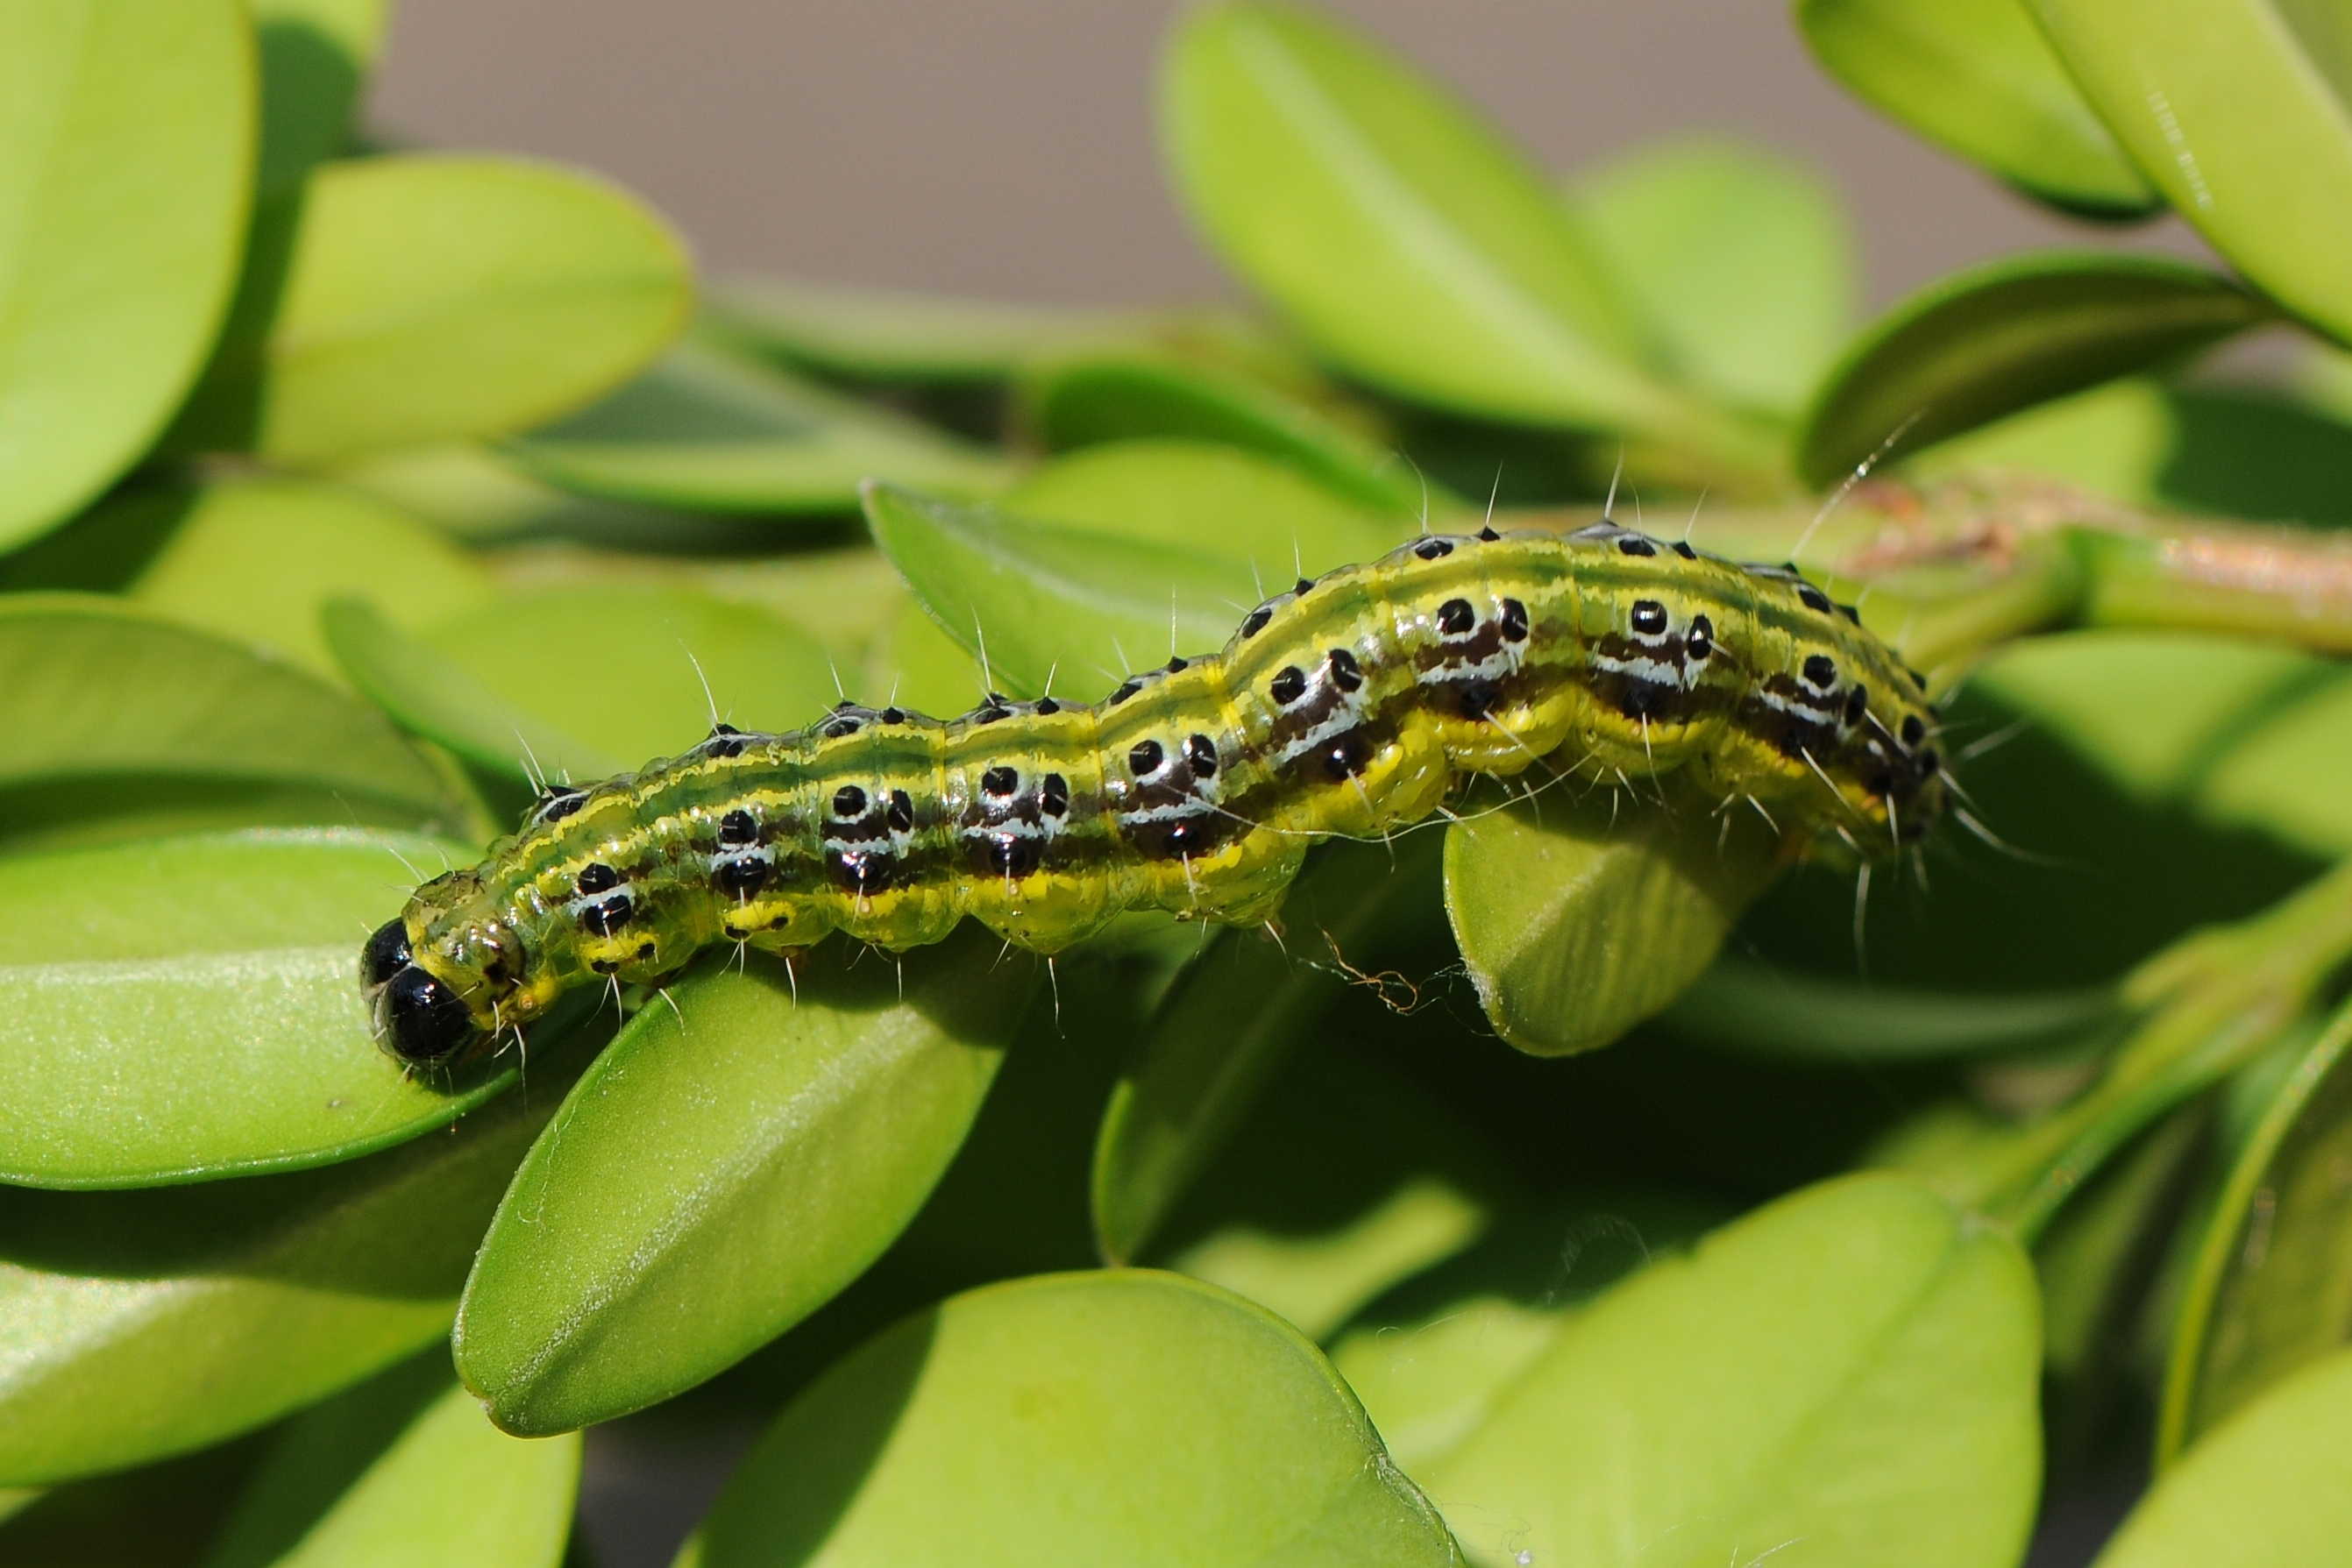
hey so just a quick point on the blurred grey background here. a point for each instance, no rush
(1004, 147)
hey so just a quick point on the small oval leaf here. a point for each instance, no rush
(1130, 1418)
(179, 1010)
(1581, 917)
(125, 174)
(410, 299)
(2001, 336)
(726, 1167)
(1979, 77)
(708, 431)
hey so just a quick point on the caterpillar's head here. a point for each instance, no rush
(425, 975)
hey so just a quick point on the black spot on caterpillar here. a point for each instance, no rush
(1195, 788)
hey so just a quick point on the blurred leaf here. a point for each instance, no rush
(1045, 598)
(179, 1010)
(1130, 1418)
(91, 689)
(2097, 1254)
(315, 55)
(2272, 1487)
(406, 1469)
(402, 299)
(724, 1169)
(1854, 1367)
(2236, 110)
(881, 335)
(2112, 440)
(916, 665)
(138, 1324)
(1231, 1020)
(624, 667)
(1741, 1005)
(154, 1516)
(1085, 399)
(2003, 335)
(432, 696)
(708, 431)
(1579, 917)
(1404, 238)
(1978, 77)
(1744, 258)
(2287, 778)
(1211, 498)
(126, 156)
(2271, 1291)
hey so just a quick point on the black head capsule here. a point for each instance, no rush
(421, 1020)
(386, 954)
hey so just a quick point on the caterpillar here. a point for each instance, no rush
(1347, 706)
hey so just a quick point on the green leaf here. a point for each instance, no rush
(138, 1324)
(1744, 259)
(1229, 1023)
(402, 300)
(178, 1010)
(404, 1469)
(2237, 110)
(2094, 1257)
(92, 689)
(1404, 237)
(2272, 1487)
(724, 1169)
(1048, 598)
(315, 55)
(1979, 77)
(154, 1516)
(1212, 499)
(1580, 917)
(1742, 1005)
(880, 335)
(434, 696)
(709, 431)
(1854, 1367)
(2004, 336)
(2270, 1288)
(255, 561)
(915, 664)
(1128, 1417)
(650, 651)
(126, 156)
(1082, 400)
(2286, 777)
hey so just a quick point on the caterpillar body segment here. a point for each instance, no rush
(1347, 706)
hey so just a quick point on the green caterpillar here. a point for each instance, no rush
(1347, 706)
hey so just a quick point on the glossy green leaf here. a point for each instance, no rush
(2272, 1487)
(2237, 110)
(2286, 777)
(724, 1169)
(126, 161)
(1854, 1367)
(138, 1324)
(1979, 77)
(178, 1010)
(403, 1469)
(1053, 602)
(1231, 1020)
(883, 335)
(709, 431)
(1212, 499)
(1742, 1005)
(315, 55)
(2271, 1291)
(91, 688)
(635, 672)
(1744, 260)
(1581, 912)
(1402, 235)
(2004, 336)
(430, 695)
(412, 299)
(1085, 399)
(1130, 1418)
